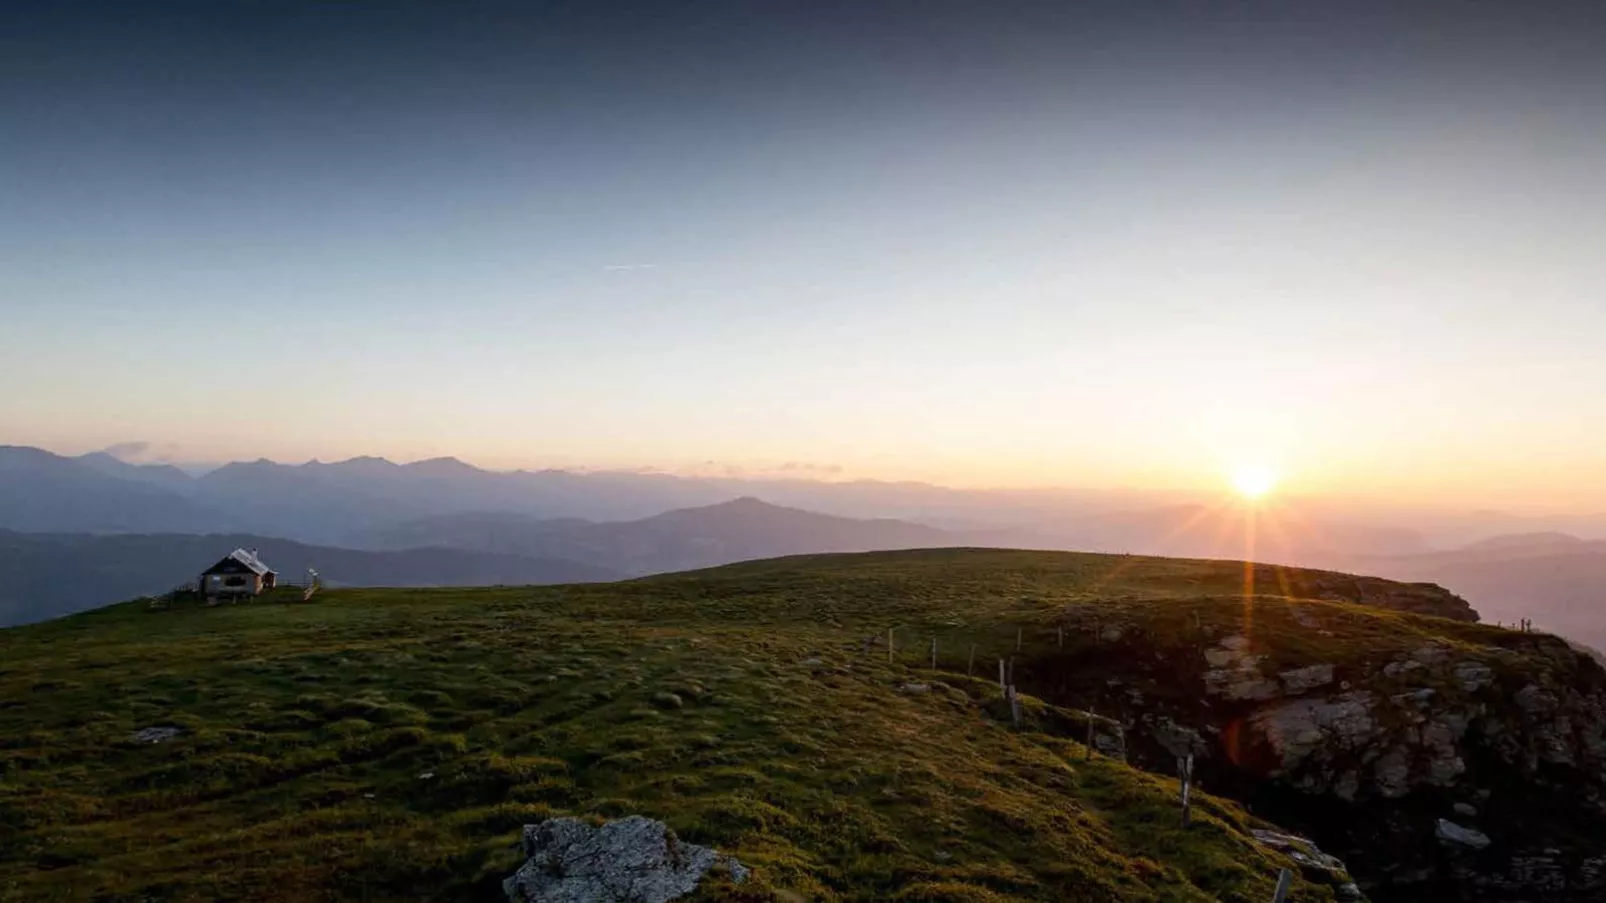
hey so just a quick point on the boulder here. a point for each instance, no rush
(1315, 865)
(1309, 677)
(1178, 740)
(1473, 676)
(631, 860)
(1453, 834)
(155, 734)
(1392, 773)
(1240, 685)
(1298, 727)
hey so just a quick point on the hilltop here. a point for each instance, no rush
(389, 744)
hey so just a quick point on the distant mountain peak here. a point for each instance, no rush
(1525, 540)
(445, 464)
(362, 463)
(749, 501)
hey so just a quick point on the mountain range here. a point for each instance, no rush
(686, 539)
(556, 525)
(1556, 580)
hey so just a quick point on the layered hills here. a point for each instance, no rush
(633, 523)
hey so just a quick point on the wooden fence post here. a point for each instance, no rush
(1285, 879)
(1001, 684)
(889, 644)
(970, 664)
(1091, 717)
(1014, 706)
(1017, 639)
(933, 653)
(1185, 772)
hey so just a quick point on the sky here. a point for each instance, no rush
(983, 244)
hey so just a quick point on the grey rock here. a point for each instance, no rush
(1444, 770)
(1298, 727)
(1395, 669)
(1246, 684)
(1347, 786)
(631, 860)
(1451, 833)
(156, 734)
(1310, 677)
(1431, 655)
(1419, 697)
(1473, 676)
(1109, 738)
(1465, 810)
(1313, 863)
(1110, 634)
(1177, 739)
(1250, 688)
(915, 688)
(1535, 701)
(1392, 773)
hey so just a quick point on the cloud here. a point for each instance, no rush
(127, 451)
(627, 267)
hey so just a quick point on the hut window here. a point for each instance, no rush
(235, 580)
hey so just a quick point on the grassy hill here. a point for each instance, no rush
(388, 744)
(46, 575)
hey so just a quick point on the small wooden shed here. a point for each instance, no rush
(241, 574)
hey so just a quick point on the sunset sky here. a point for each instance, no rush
(977, 243)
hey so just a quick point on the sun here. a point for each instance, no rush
(1253, 481)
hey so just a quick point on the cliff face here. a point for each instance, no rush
(1440, 761)
(1417, 598)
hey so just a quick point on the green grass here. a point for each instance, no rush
(389, 744)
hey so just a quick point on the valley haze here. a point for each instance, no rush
(369, 521)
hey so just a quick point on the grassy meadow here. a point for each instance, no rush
(389, 744)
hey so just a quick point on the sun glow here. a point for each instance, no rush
(1254, 482)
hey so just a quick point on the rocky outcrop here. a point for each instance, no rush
(1451, 833)
(1417, 598)
(1466, 766)
(1316, 865)
(155, 734)
(632, 860)
(1235, 673)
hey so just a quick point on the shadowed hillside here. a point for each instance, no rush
(46, 575)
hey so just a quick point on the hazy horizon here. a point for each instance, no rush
(1011, 245)
(1084, 499)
